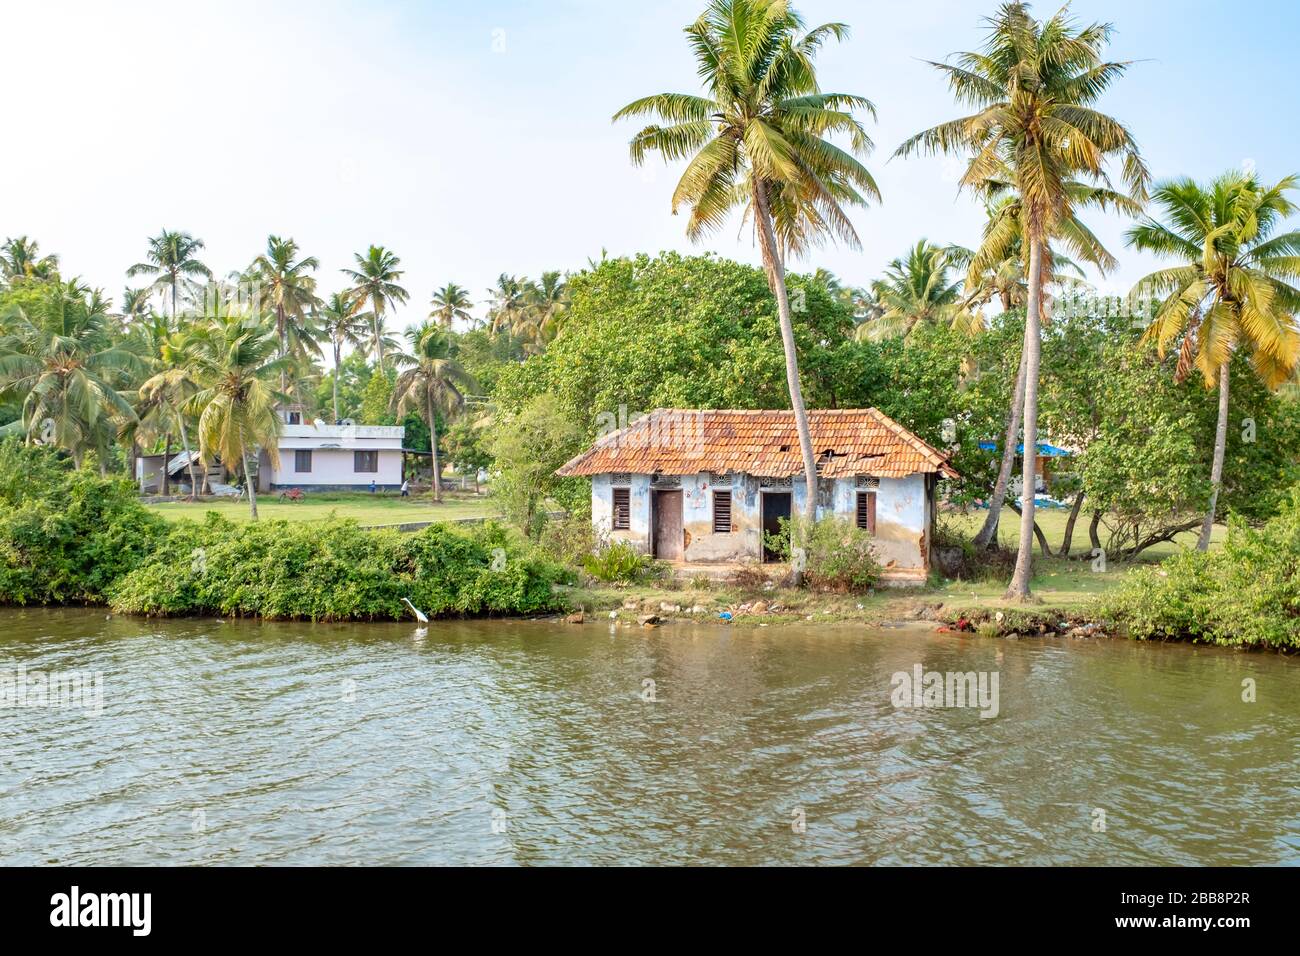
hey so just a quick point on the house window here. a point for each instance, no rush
(365, 461)
(622, 509)
(302, 461)
(722, 512)
(295, 418)
(866, 517)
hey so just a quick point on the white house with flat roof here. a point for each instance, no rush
(315, 456)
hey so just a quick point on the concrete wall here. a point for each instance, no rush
(902, 515)
(334, 468)
(602, 510)
(902, 518)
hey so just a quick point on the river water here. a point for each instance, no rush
(535, 743)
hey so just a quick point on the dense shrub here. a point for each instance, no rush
(617, 562)
(337, 571)
(568, 539)
(955, 555)
(1246, 593)
(66, 536)
(837, 555)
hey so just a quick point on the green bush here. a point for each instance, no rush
(569, 540)
(1246, 593)
(617, 562)
(838, 555)
(337, 571)
(66, 536)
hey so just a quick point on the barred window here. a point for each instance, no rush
(622, 509)
(867, 511)
(302, 461)
(722, 512)
(365, 461)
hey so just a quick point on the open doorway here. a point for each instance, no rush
(776, 505)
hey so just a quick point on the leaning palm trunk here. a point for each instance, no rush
(249, 484)
(1216, 470)
(1019, 587)
(776, 276)
(988, 533)
(433, 447)
(185, 443)
(166, 465)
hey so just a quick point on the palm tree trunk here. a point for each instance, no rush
(250, 485)
(279, 329)
(185, 443)
(336, 380)
(167, 457)
(433, 447)
(1019, 586)
(776, 278)
(1216, 470)
(988, 533)
(379, 340)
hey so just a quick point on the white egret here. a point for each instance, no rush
(419, 615)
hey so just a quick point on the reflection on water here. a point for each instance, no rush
(516, 742)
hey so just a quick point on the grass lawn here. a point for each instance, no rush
(1052, 522)
(368, 509)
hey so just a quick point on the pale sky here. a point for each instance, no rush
(475, 138)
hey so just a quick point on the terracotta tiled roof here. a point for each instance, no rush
(677, 441)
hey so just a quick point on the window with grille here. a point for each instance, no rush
(302, 461)
(622, 509)
(867, 511)
(365, 461)
(722, 512)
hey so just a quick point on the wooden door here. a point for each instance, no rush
(668, 525)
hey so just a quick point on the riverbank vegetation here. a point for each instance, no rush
(70, 536)
(983, 345)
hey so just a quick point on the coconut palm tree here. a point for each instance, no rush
(167, 389)
(235, 360)
(757, 139)
(433, 381)
(998, 269)
(508, 304)
(1232, 288)
(171, 257)
(1033, 87)
(375, 279)
(341, 320)
(135, 305)
(60, 361)
(286, 287)
(546, 303)
(450, 303)
(921, 288)
(21, 258)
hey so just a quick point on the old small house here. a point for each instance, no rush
(703, 486)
